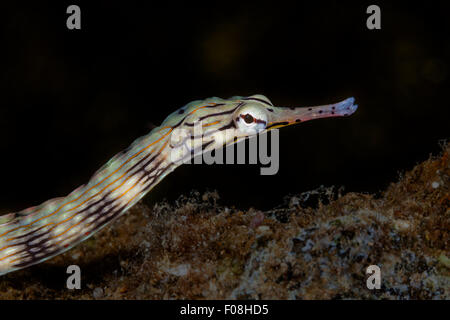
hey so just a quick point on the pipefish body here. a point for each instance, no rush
(39, 233)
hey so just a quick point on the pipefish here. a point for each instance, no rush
(39, 233)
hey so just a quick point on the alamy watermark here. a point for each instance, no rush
(199, 146)
(73, 21)
(74, 280)
(374, 280)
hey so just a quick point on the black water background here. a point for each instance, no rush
(70, 100)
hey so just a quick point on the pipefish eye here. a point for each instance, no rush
(248, 118)
(251, 119)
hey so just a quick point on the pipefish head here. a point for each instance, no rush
(215, 122)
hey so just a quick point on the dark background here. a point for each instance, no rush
(71, 99)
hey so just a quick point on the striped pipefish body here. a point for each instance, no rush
(38, 233)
